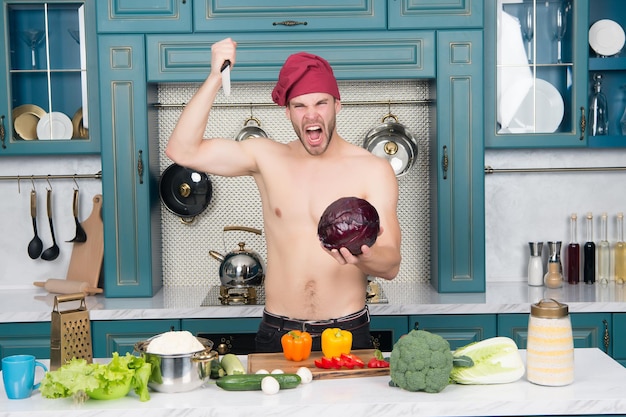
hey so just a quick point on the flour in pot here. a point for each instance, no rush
(174, 343)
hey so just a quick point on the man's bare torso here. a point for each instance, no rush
(302, 280)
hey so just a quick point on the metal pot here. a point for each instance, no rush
(241, 267)
(179, 373)
(393, 141)
(251, 131)
(185, 192)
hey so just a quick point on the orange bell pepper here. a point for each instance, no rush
(335, 342)
(296, 345)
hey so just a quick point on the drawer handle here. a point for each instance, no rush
(607, 336)
(583, 123)
(289, 23)
(2, 132)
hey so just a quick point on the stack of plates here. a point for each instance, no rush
(541, 111)
(31, 122)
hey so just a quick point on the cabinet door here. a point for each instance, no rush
(121, 335)
(384, 55)
(435, 14)
(536, 73)
(459, 330)
(612, 69)
(49, 88)
(589, 329)
(619, 337)
(154, 16)
(457, 172)
(290, 16)
(132, 261)
(25, 339)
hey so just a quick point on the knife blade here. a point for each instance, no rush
(226, 77)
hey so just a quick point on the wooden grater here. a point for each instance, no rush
(70, 334)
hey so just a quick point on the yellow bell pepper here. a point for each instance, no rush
(335, 342)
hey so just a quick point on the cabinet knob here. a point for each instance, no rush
(583, 123)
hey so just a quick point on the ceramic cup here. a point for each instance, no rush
(18, 375)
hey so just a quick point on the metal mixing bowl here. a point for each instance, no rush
(179, 373)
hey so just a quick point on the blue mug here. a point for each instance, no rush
(18, 375)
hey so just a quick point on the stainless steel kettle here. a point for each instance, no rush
(241, 267)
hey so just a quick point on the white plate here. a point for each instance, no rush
(541, 110)
(55, 125)
(606, 37)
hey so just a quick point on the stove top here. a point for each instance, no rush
(220, 295)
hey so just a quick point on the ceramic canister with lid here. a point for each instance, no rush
(550, 348)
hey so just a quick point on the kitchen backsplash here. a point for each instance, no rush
(236, 201)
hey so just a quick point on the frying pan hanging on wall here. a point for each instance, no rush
(185, 192)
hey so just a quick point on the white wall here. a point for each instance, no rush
(537, 206)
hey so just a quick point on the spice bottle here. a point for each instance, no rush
(554, 276)
(535, 264)
(589, 254)
(550, 348)
(620, 251)
(604, 253)
(573, 253)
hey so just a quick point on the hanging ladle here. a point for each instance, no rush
(52, 252)
(35, 245)
(81, 235)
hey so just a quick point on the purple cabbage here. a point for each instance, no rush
(349, 222)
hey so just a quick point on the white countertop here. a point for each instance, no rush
(598, 389)
(34, 305)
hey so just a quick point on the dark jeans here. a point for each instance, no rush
(268, 338)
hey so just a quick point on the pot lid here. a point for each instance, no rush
(184, 191)
(549, 309)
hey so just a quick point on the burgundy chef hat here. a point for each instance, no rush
(304, 73)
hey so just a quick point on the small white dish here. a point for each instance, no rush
(541, 111)
(54, 125)
(606, 37)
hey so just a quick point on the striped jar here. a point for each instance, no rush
(550, 348)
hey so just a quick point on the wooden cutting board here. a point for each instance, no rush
(86, 261)
(271, 361)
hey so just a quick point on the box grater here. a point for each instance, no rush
(70, 334)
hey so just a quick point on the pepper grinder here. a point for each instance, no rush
(554, 276)
(535, 264)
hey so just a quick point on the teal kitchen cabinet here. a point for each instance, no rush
(25, 339)
(292, 16)
(131, 210)
(458, 329)
(154, 16)
(120, 336)
(384, 55)
(457, 170)
(435, 14)
(537, 87)
(49, 83)
(589, 329)
(386, 330)
(619, 337)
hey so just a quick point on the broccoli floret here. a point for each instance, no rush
(421, 361)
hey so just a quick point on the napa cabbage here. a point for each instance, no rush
(497, 360)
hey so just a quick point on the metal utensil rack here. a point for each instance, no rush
(48, 177)
(491, 170)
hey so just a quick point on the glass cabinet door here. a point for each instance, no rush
(47, 78)
(538, 73)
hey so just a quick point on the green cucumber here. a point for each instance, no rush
(232, 365)
(252, 382)
(216, 370)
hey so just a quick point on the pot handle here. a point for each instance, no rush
(252, 119)
(243, 229)
(389, 116)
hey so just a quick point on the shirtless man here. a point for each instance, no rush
(307, 287)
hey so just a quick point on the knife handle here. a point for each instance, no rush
(225, 64)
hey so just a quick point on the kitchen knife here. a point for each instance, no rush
(226, 77)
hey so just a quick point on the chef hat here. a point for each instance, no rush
(304, 73)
